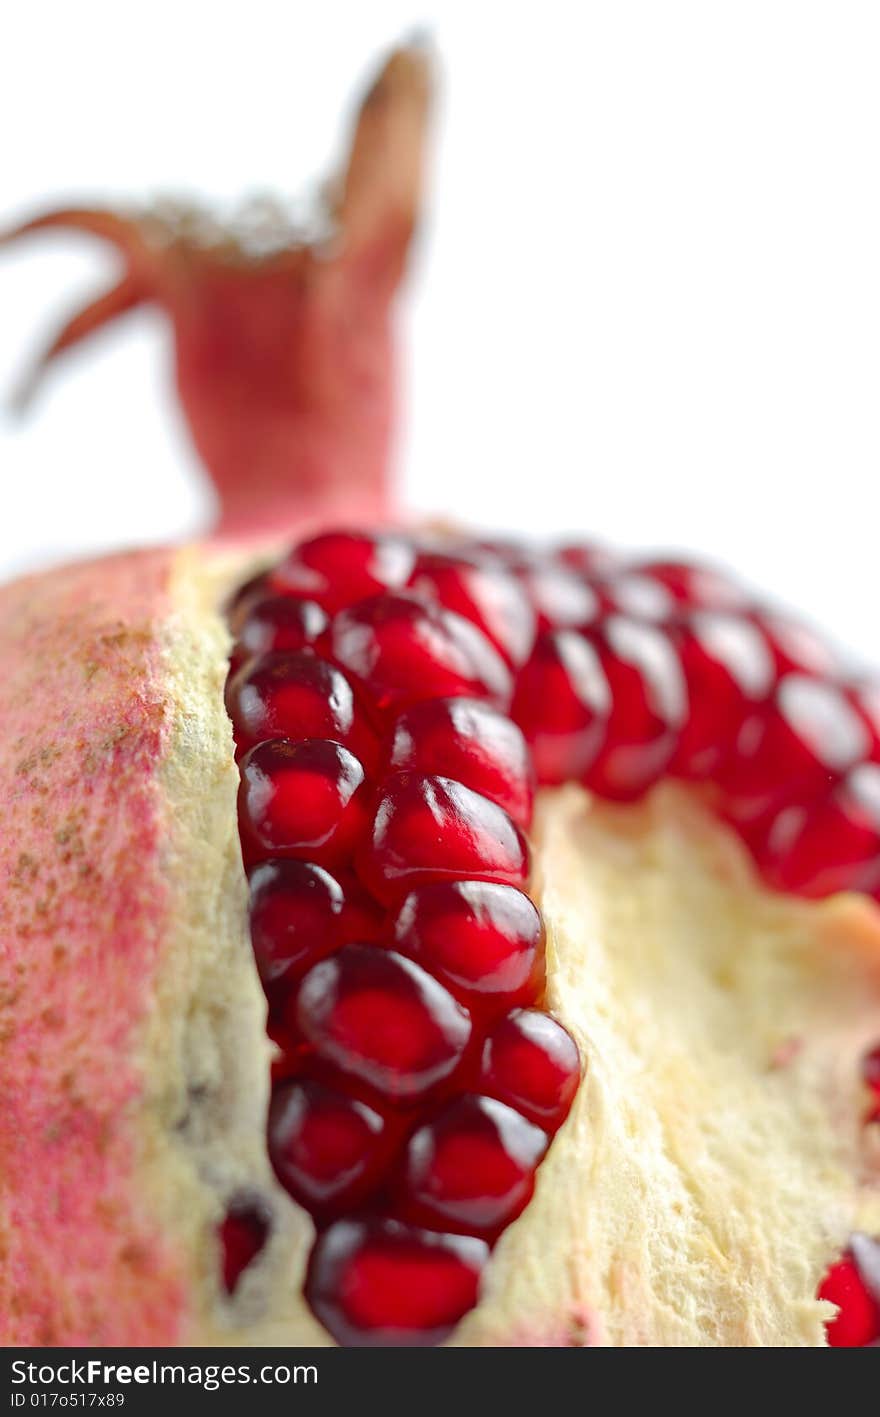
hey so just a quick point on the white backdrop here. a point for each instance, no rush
(647, 305)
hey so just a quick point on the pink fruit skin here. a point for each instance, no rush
(82, 922)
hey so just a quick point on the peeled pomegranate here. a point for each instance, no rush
(319, 1022)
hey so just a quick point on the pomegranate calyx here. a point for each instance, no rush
(283, 344)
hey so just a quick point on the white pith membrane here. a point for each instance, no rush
(714, 1162)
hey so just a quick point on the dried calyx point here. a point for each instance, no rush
(391, 732)
(282, 336)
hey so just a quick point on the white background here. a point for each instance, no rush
(647, 305)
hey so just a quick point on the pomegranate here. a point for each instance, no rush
(321, 1023)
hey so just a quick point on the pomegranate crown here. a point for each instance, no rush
(283, 344)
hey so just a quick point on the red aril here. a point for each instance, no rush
(833, 844)
(242, 1233)
(692, 586)
(339, 567)
(532, 1063)
(433, 828)
(629, 593)
(295, 694)
(728, 669)
(277, 622)
(298, 914)
(857, 1322)
(793, 750)
(403, 650)
(471, 742)
(648, 707)
(559, 597)
(300, 800)
(485, 942)
(371, 1013)
(328, 1149)
(471, 1168)
(487, 594)
(797, 648)
(562, 702)
(380, 1282)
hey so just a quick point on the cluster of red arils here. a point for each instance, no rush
(395, 700)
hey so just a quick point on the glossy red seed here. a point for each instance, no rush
(871, 1069)
(300, 800)
(629, 593)
(694, 587)
(532, 1063)
(383, 1019)
(562, 702)
(795, 750)
(648, 706)
(470, 741)
(588, 559)
(239, 603)
(341, 567)
(299, 913)
(242, 1234)
(833, 844)
(864, 695)
(559, 596)
(729, 672)
(797, 648)
(484, 942)
(488, 595)
(857, 1323)
(278, 622)
(471, 1167)
(328, 1149)
(380, 1282)
(297, 695)
(404, 650)
(433, 828)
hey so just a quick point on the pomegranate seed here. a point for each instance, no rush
(239, 603)
(794, 750)
(404, 650)
(488, 595)
(818, 848)
(871, 1069)
(864, 695)
(299, 913)
(471, 1168)
(472, 742)
(562, 702)
(484, 942)
(728, 670)
(532, 1063)
(628, 593)
(243, 1233)
(857, 1323)
(797, 648)
(327, 1149)
(383, 1283)
(382, 1018)
(588, 559)
(560, 597)
(300, 800)
(274, 622)
(648, 707)
(433, 828)
(297, 695)
(694, 587)
(341, 567)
